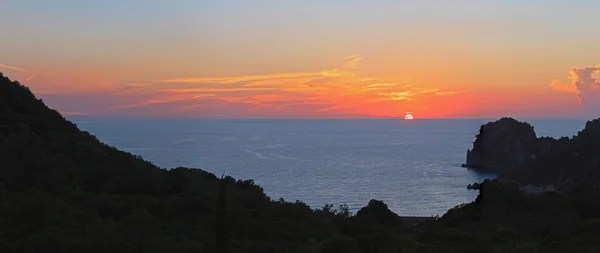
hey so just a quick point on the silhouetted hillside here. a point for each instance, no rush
(570, 164)
(62, 190)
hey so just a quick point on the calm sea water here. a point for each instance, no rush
(413, 166)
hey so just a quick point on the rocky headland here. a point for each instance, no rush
(512, 150)
(502, 145)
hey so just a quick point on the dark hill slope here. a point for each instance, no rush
(62, 190)
(572, 164)
(41, 149)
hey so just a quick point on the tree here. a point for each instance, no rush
(222, 240)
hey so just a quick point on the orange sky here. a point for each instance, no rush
(465, 60)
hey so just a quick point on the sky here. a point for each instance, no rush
(306, 59)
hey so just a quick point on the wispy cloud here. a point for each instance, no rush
(353, 61)
(330, 91)
(239, 79)
(443, 93)
(408, 95)
(13, 68)
(163, 100)
(382, 86)
(67, 113)
(202, 90)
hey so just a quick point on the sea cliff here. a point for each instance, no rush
(511, 149)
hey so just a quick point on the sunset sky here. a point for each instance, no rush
(306, 59)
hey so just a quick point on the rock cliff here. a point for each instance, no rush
(503, 145)
(511, 149)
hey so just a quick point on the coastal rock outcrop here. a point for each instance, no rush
(511, 149)
(503, 145)
(474, 186)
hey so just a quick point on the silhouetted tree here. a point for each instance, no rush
(222, 240)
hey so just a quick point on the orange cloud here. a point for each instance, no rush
(201, 90)
(13, 68)
(330, 91)
(408, 95)
(66, 113)
(335, 88)
(442, 93)
(559, 86)
(381, 86)
(585, 82)
(164, 100)
(253, 78)
(280, 82)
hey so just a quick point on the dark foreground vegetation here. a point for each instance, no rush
(62, 190)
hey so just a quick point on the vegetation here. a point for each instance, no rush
(62, 190)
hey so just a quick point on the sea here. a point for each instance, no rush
(411, 165)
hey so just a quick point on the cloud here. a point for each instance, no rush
(202, 90)
(443, 93)
(71, 113)
(353, 61)
(13, 68)
(163, 100)
(585, 82)
(280, 82)
(559, 86)
(382, 86)
(140, 84)
(325, 91)
(365, 80)
(321, 92)
(408, 95)
(239, 79)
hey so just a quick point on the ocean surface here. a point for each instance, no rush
(413, 166)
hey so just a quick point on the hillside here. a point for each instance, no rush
(62, 190)
(574, 163)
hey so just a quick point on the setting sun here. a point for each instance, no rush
(408, 116)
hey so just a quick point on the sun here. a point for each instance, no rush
(408, 116)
